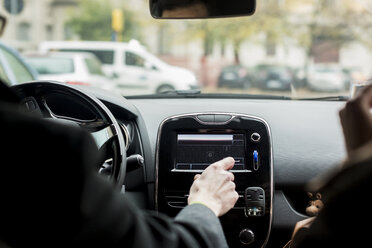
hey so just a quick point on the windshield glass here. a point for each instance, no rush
(295, 48)
(48, 65)
(94, 66)
(19, 70)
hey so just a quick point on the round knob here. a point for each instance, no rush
(246, 237)
(255, 137)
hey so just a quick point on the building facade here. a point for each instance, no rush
(39, 20)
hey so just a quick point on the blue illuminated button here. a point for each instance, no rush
(255, 155)
(256, 162)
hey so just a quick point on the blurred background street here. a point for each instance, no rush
(308, 52)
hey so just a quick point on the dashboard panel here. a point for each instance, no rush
(187, 144)
(306, 141)
(278, 146)
(307, 136)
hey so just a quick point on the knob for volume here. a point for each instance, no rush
(246, 236)
(255, 137)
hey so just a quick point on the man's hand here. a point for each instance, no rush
(356, 120)
(215, 187)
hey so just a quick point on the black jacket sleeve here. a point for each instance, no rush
(112, 220)
(52, 196)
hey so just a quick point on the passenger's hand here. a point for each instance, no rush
(215, 187)
(356, 120)
(301, 225)
(306, 223)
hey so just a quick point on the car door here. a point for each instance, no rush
(135, 77)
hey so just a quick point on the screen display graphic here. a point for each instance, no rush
(198, 151)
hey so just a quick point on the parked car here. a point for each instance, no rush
(273, 77)
(137, 71)
(235, 76)
(72, 68)
(13, 67)
(326, 77)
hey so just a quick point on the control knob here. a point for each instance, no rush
(246, 236)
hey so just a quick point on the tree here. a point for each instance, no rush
(269, 20)
(332, 22)
(93, 22)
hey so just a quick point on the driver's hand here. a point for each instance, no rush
(215, 187)
(356, 120)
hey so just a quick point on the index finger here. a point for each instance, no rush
(227, 163)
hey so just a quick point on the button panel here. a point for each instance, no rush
(214, 118)
(206, 118)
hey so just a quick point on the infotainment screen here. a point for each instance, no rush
(198, 151)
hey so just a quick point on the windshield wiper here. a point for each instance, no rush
(182, 92)
(168, 94)
(195, 93)
(326, 98)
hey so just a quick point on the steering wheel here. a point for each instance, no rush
(66, 104)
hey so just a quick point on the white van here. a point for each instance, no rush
(135, 69)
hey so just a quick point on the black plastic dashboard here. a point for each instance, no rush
(306, 137)
(188, 143)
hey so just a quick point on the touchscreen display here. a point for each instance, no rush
(197, 151)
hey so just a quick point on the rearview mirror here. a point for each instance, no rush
(189, 9)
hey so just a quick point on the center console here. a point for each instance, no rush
(187, 144)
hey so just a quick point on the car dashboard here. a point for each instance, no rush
(298, 141)
(278, 147)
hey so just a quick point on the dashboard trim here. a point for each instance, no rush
(234, 115)
(126, 135)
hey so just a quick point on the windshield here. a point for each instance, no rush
(292, 48)
(94, 66)
(16, 68)
(48, 65)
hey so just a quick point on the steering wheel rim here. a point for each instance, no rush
(108, 136)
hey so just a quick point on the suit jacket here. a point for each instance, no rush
(52, 196)
(344, 221)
